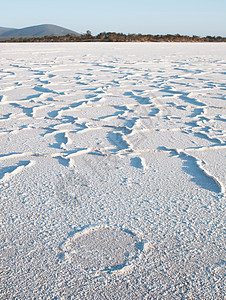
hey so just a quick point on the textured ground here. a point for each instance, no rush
(112, 171)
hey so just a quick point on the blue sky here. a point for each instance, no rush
(199, 17)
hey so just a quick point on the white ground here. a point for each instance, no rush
(112, 171)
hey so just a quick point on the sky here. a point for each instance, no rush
(190, 17)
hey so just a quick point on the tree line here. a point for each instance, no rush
(120, 37)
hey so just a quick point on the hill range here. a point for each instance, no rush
(54, 33)
(34, 31)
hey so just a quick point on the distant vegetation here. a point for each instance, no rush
(120, 37)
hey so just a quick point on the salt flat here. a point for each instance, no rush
(112, 171)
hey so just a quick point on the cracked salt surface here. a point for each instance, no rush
(112, 171)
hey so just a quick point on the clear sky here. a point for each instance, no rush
(199, 17)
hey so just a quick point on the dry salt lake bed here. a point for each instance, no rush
(112, 171)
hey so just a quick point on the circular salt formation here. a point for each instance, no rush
(101, 248)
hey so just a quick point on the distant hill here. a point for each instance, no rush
(5, 29)
(35, 31)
